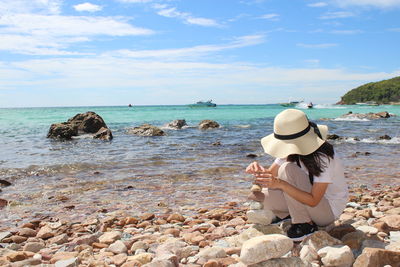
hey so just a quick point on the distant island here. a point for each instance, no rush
(382, 92)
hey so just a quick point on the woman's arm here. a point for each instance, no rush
(311, 199)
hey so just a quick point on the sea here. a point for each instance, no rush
(182, 171)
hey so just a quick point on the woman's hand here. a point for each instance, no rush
(254, 168)
(268, 180)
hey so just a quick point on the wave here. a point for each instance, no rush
(393, 141)
(351, 118)
(243, 126)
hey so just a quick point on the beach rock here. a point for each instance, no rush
(341, 230)
(336, 256)
(370, 230)
(27, 232)
(103, 134)
(319, 240)
(177, 124)
(146, 130)
(16, 256)
(110, 237)
(62, 131)
(45, 232)
(255, 188)
(60, 239)
(86, 240)
(212, 253)
(208, 124)
(282, 262)
(72, 262)
(373, 257)
(264, 217)
(354, 239)
(307, 254)
(27, 262)
(370, 243)
(119, 259)
(143, 258)
(33, 246)
(238, 240)
(139, 245)
(4, 235)
(393, 221)
(268, 229)
(262, 248)
(175, 217)
(118, 247)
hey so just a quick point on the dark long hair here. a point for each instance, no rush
(314, 161)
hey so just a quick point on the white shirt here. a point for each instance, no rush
(337, 191)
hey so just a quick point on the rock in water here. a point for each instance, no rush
(147, 130)
(103, 134)
(82, 123)
(177, 124)
(208, 124)
(63, 131)
(88, 122)
(265, 247)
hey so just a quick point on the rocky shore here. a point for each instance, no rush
(367, 234)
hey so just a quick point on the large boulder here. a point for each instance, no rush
(82, 123)
(88, 122)
(146, 130)
(208, 124)
(373, 257)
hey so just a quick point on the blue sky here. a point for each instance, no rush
(149, 52)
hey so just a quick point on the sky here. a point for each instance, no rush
(166, 52)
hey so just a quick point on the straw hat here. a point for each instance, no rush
(294, 134)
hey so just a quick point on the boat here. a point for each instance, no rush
(368, 103)
(130, 105)
(201, 104)
(310, 105)
(291, 103)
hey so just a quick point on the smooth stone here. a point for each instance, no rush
(264, 217)
(72, 262)
(373, 257)
(255, 205)
(142, 258)
(238, 240)
(393, 221)
(321, 239)
(86, 240)
(354, 239)
(139, 245)
(307, 254)
(282, 262)
(110, 237)
(268, 229)
(370, 243)
(27, 262)
(368, 229)
(212, 253)
(59, 239)
(336, 256)
(265, 247)
(394, 236)
(395, 246)
(33, 246)
(339, 231)
(4, 235)
(27, 232)
(118, 247)
(45, 232)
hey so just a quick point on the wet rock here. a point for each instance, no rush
(372, 257)
(103, 134)
(62, 131)
(146, 130)
(177, 124)
(262, 248)
(336, 256)
(208, 124)
(333, 137)
(83, 123)
(385, 137)
(88, 122)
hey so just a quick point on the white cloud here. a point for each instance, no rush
(89, 7)
(368, 3)
(188, 18)
(318, 4)
(135, 1)
(337, 15)
(29, 6)
(312, 61)
(191, 52)
(51, 34)
(326, 45)
(271, 16)
(394, 30)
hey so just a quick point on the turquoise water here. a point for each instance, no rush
(183, 168)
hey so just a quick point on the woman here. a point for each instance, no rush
(306, 181)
